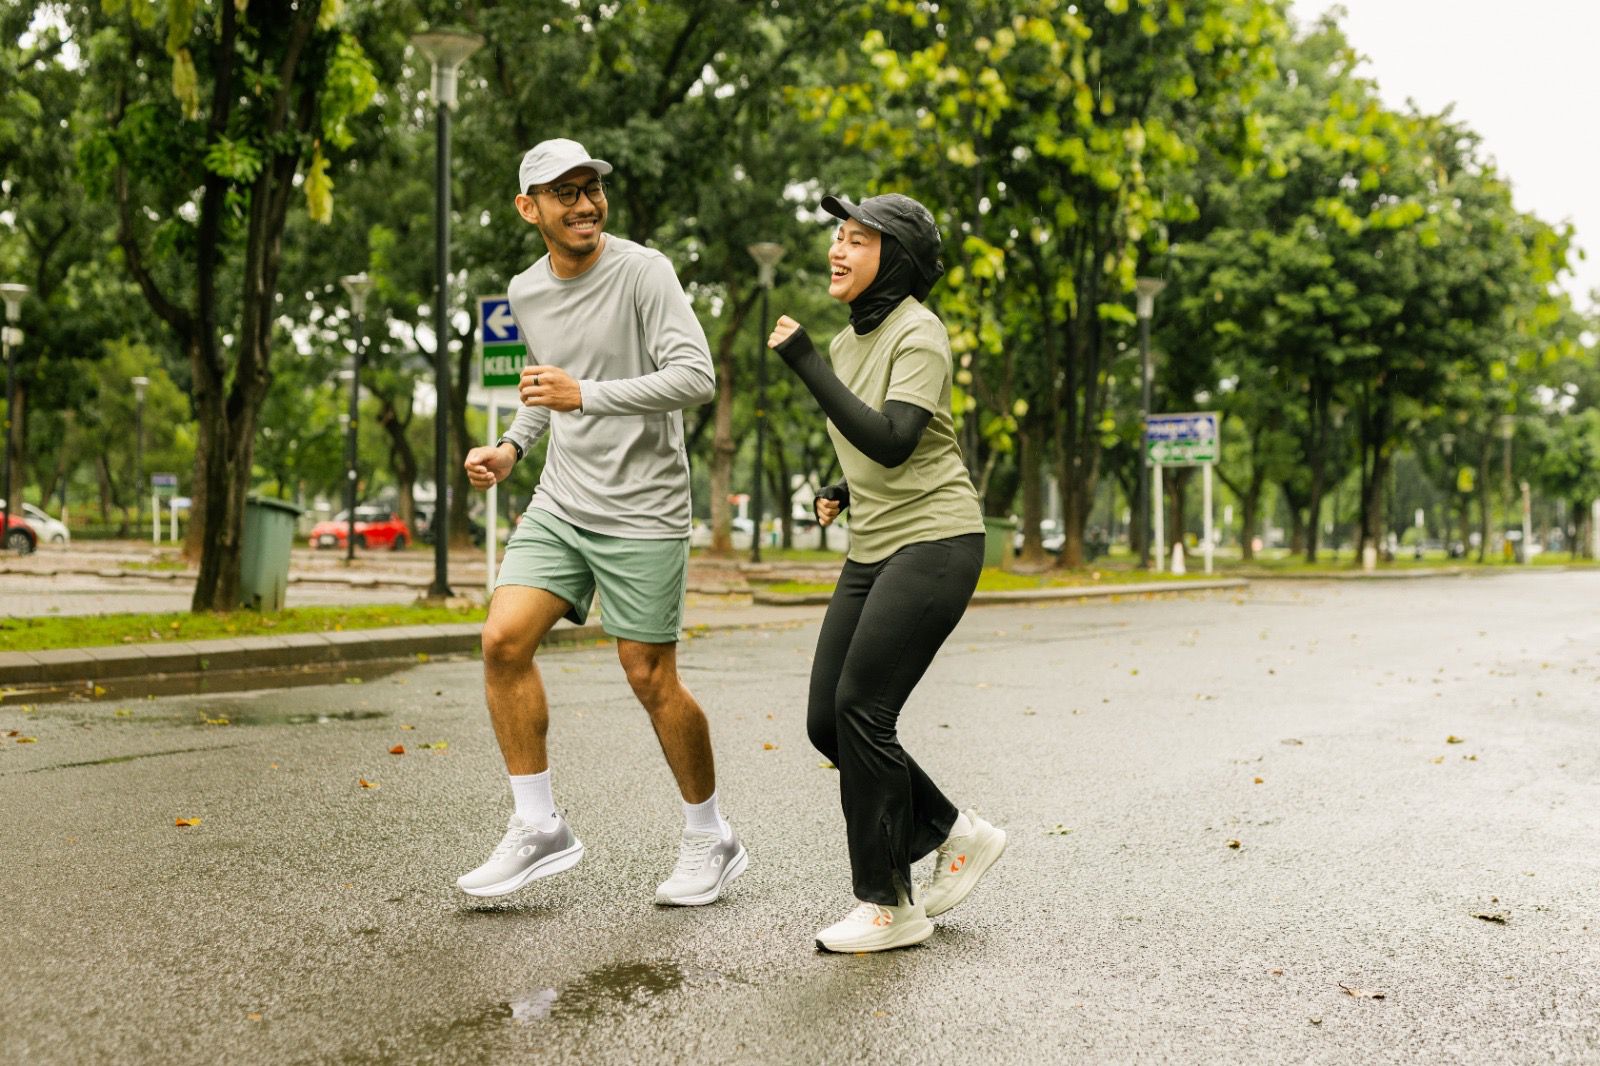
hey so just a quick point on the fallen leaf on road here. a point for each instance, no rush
(215, 721)
(12, 733)
(1470, 758)
(1276, 972)
(122, 712)
(1453, 739)
(185, 821)
(398, 749)
(1235, 845)
(364, 783)
(1497, 917)
(254, 1016)
(1059, 831)
(1261, 780)
(27, 740)
(826, 765)
(769, 747)
(437, 745)
(1292, 742)
(99, 691)
(1361, 993)
(408, 727)
(352, 681)
(1437, 760)
(422, 656)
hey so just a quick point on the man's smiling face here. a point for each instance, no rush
(570, 231)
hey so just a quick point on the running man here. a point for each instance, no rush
(620, 354)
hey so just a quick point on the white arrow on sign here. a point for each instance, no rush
(500, 324)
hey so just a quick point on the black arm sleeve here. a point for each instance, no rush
(839, 493)
(887, 437)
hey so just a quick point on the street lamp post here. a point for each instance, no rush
(140, 384)
(446, 49)
(357, 285)
(766, 254)
(10, 336)
(1146, 290)
(1507, 428)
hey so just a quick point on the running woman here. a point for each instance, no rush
(916, 549)
(620, 354)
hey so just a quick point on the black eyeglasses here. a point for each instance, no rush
(567, 194)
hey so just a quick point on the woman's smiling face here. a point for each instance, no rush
(853, 260)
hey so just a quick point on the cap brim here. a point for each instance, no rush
(841, 208)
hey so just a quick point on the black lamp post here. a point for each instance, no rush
(446, 49)
(357, 285)
(766, 254)
(1146, 291)
(11, 336)
(140, 384)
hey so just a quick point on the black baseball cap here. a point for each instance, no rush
(902, 218)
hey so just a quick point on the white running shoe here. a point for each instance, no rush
(874, 927)
(960, 863)
(524, 854)
(706, 863)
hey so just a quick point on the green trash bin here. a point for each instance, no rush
(264, 552)
(997, 536)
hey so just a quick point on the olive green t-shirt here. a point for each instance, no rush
(929, 496)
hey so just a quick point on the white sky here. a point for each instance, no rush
(1524, 76)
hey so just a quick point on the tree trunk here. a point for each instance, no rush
(1032, 474)
(402, 456)
(723, 447)
(1484, 508)
(1321, 396)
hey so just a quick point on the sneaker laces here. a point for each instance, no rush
(869, 913)
(513, 839)
(692, 854)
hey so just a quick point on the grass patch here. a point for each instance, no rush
(82, 631)
(995, 580)
(154, 564)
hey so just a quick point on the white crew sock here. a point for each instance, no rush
(704, 817)
(531, 793)
(962, 826)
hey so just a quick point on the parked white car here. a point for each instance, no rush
(49, 530)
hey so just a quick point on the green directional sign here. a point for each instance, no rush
(504, 352)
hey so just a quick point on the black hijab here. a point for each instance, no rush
(897, 278)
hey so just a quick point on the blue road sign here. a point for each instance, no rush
(1183, 439)
(496, 323)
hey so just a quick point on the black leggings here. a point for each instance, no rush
(884, 625)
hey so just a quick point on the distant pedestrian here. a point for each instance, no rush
(619, 354)
(916, 550)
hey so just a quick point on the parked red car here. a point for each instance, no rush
(20, 536)
(375, 528)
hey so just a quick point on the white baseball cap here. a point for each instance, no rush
(550, 159)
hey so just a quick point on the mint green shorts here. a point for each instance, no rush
(641, 582)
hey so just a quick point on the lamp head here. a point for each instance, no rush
(139, 385)
(446, 48)
(13, 295)
(766, 254)
(1146, 290)
(357, 285)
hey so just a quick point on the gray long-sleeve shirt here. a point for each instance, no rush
(625, 330)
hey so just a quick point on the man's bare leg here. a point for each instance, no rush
(680, 724)
(519, 618)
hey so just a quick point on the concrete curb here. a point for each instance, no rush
(1087, 592)
(67, 666)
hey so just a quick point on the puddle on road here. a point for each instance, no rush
(607, 991)
(220, 681)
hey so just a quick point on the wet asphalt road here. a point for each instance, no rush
(309, 920)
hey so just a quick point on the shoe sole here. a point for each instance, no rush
(711, 895)
(980, 866)
(907, 936)
(548, 866)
